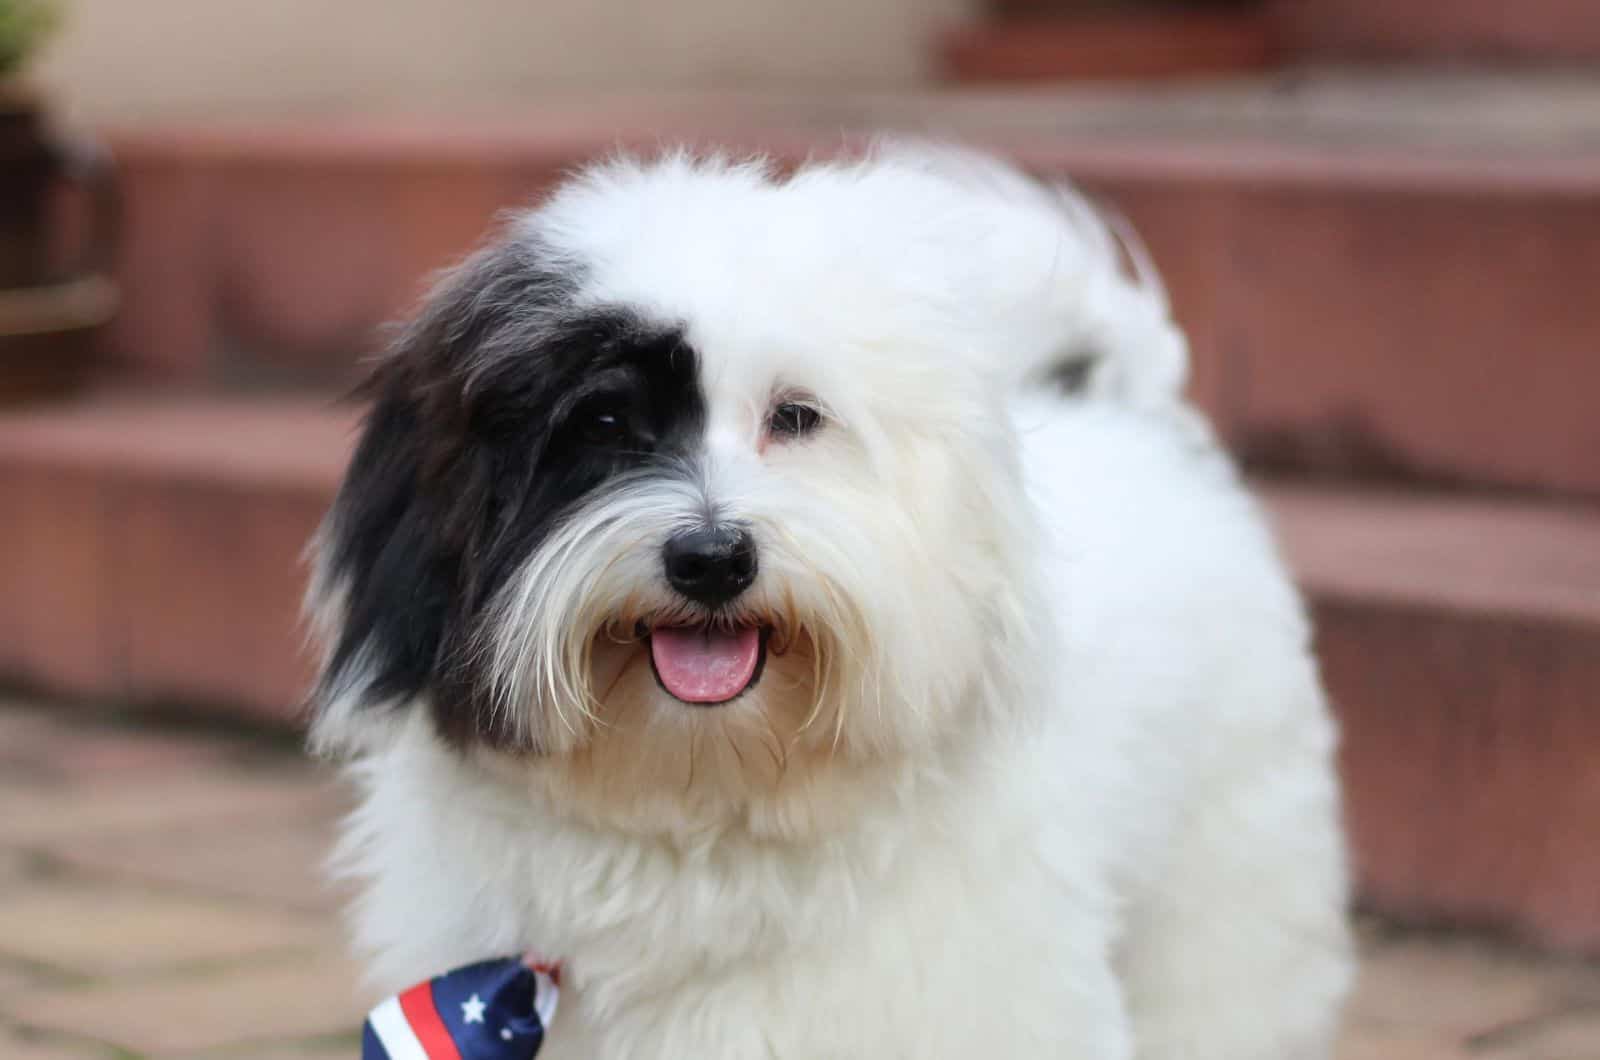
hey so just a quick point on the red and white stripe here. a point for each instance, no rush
(410, 1028)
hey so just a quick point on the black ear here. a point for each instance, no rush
(395, 587)
(382, 567)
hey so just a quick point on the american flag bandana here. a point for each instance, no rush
(495, 1010)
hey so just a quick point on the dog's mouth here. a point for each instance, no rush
(707, 665)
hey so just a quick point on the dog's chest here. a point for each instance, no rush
(962, 929)
(951, 959)
(946, 988)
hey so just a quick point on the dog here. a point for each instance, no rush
(802, 602)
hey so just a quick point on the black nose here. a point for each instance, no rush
(711, 565)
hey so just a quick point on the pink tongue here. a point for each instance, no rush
(700, 666)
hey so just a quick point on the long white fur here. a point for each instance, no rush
(1066, 788)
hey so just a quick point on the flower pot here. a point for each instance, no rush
(54, 293)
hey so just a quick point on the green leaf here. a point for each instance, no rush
(24, 25)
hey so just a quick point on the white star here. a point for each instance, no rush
(472, 1009)
(505, 1034)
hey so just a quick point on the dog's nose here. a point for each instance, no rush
(711, 565)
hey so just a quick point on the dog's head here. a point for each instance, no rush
(699, 476)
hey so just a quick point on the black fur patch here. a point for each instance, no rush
(500, 408)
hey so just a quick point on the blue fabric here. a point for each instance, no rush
(488, 1009)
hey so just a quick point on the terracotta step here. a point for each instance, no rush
(1382, 276)
(1108, 44)
(1460, 639)
(150, 549)
(153, 554)
(1530, 31)
(1535, 31)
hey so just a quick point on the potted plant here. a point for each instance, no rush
(53, 297)
(23, 24)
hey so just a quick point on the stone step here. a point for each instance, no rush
(1108, 44)
(151, 546)
(1534, 31)
(1460, 639)
(153, 549)
(1383, 276)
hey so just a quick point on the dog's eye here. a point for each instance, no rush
(604, 428)
(603, 424)
(793, 420)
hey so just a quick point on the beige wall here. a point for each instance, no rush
(140, 56)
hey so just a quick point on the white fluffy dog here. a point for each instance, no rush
(805, 606)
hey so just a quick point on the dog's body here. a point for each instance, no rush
(1037, 764)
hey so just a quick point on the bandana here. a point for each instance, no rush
(495, 1010)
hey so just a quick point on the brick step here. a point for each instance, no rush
(1533, 31)
(1382, 276)
(1109, 44)
(151, 546)
(1460, 639)
(154, 555)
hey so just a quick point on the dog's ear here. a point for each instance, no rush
(381, 583)
(392, 586)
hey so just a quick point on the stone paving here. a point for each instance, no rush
(160, 897)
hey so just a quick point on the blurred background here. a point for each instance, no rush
(1380, 223)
